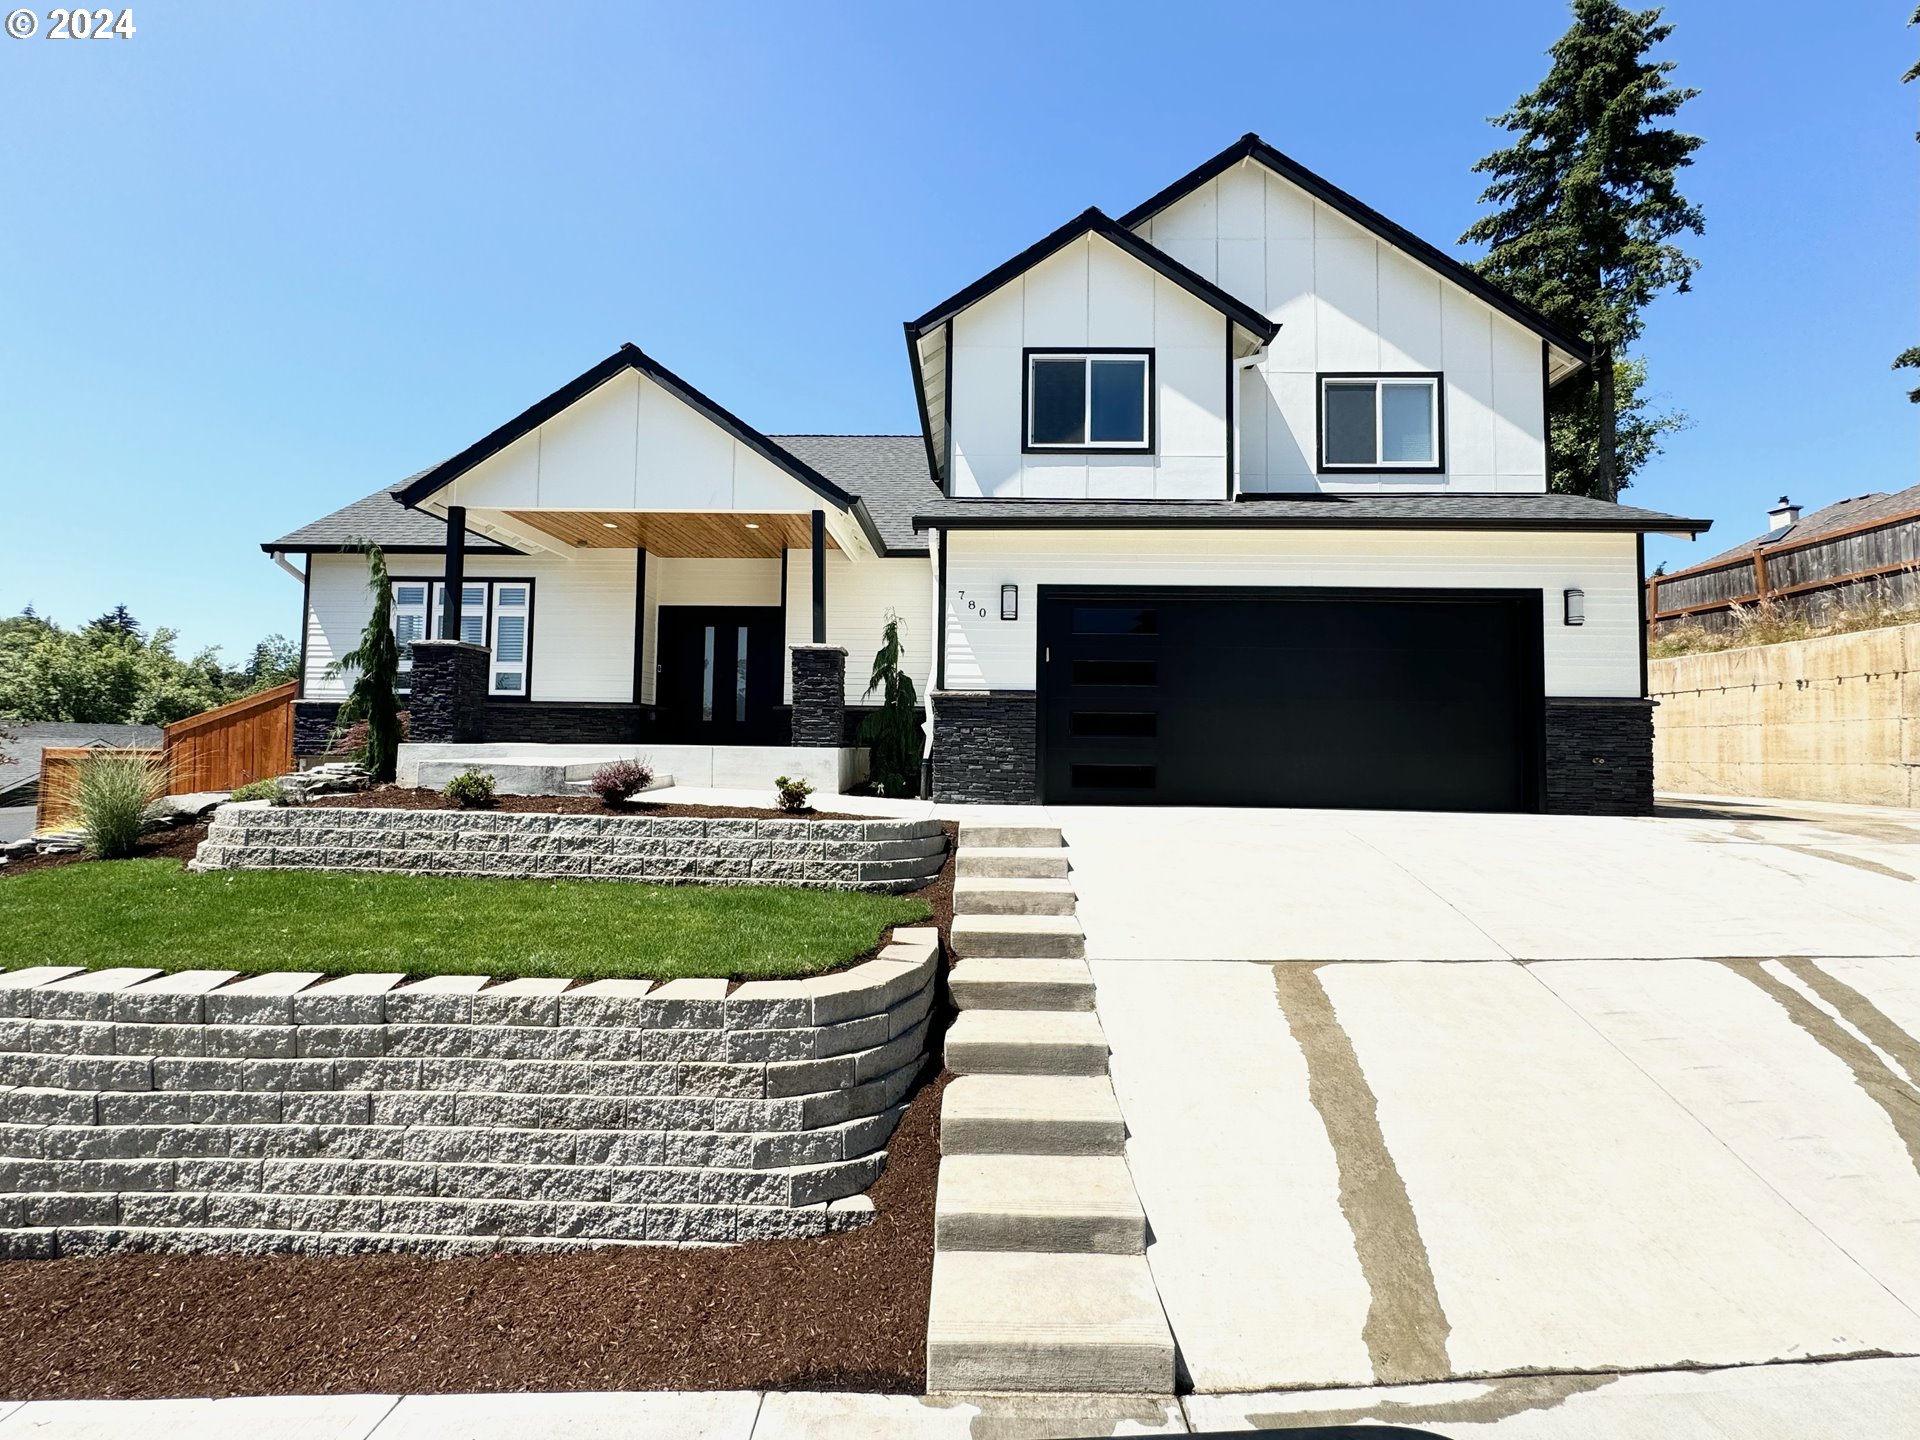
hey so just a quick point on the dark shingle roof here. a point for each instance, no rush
(1312, 511)
(1841, 515)
(381, 518)
(20, 779)
(888, 472)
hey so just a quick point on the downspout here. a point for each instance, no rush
(1240, 368)
(279, 558)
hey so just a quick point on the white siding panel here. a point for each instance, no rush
(1179, 319)
(587, 451)
(996, 319)
(1195, 217)
(1192, 385)
(1410, 332)
(1289, 209)
(1243, 271)
(1600, 658)
(1054, 477)
(1347, 305)
(1121, 477)
(1119, 298)
(1290, 431)
(1191, 477)
(986, 411)
(686, 461)
(1290, 302)
(337, 608)
(1200, 254)
(1242, 201)
(691, 581)
(1056, 297)
(508, 478)
(859, 595)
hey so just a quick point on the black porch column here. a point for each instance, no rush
(819, 577)
(456, 571)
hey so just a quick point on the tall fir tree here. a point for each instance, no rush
(1589, 213)
(1909, 359)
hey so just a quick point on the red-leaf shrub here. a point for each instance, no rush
(620, 780)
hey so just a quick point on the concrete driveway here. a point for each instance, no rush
(1419, 1097)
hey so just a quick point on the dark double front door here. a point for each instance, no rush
(719, 676)
(1419, 700)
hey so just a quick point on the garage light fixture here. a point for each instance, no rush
(1576, 607)
(1009, 602)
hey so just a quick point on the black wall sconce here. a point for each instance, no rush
(1009, 602)
(1576, 607)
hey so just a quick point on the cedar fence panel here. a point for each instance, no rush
(226, 747)
(60, 773)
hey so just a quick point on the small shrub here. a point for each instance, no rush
(112, 792)
(792, 794)
(620, 780)
(470, 790)
(268, 790)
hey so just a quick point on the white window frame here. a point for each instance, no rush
(1089, 446)
(1435, 383)
(487, 608)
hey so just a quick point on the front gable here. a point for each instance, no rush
(628, 436)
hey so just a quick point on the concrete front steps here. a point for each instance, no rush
(1040, 1278)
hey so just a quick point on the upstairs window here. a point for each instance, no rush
(1096, 400)
(1385, 423)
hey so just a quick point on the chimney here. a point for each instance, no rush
(1782, 515)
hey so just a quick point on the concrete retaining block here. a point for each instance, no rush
(151, 1111)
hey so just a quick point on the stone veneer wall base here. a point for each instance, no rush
(1599, 756)
(283, 1113)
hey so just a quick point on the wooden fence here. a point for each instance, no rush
(1874, 551)
(219, 749)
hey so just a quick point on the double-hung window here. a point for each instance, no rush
(1385, 423)
(495, 613)
(1096, 400)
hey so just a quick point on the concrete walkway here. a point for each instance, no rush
(1659, 1108)
(1851, 1399)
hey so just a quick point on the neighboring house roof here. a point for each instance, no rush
(1308, 511)
(20, 780)
(632, 357)
(382, 519)
(1880, 505)
(1252, 147)
(1093, 221)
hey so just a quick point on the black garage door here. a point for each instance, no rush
(1423, 700)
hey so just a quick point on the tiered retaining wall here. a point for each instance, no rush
(286, 1113)
(817, 854)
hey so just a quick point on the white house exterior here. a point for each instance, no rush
(1239, 498)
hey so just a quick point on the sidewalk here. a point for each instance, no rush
(1853, 1399)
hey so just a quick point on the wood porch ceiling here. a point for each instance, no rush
(712, 535)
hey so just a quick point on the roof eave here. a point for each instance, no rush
(1661, 524)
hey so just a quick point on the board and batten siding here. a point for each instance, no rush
(859, 594)
(1089, 294)
(1347, 301)
(582, 618)
(1599, 658)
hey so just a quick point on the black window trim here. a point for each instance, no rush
(1146, 352)
(1322, 466)
(486, 623)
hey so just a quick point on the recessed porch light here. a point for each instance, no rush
(753, 525)
(608, 525)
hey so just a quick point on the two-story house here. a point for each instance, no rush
(1239, 498)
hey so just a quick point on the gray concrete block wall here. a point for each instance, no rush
(200, 1111)
(887, 855)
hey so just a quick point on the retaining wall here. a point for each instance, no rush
(816, 854)
(1835, 718)
(287, 1113)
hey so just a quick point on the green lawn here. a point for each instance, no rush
(153, 912)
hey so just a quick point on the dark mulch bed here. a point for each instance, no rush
(178, 843)
(844, 1313)
(392, 797)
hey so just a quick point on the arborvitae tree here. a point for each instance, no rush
(375, 662)
(1909, 359)
(892, 733)
(1589, 211)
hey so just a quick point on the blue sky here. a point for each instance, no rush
(262, 259)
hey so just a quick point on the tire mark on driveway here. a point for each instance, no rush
(1860, 1012)
(1874, 1076)
(1406, 1328)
